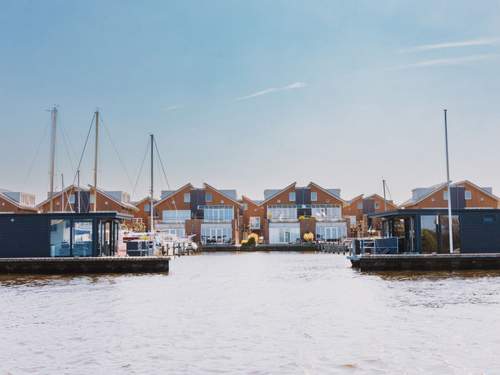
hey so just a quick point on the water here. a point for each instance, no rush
(254, 313)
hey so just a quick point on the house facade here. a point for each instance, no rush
(464, 195)
(79, 199)
(357, 212)
(17, 202)
(292, 212)
(253, 217)
(210, 215)
(142, 217)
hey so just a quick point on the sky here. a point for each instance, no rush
(251, 95)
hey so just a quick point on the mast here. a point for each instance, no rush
(96, 157)
(53, 115)
(78, 190)
(151, 210)
(62, 193)
(385, 198)
(450, 221)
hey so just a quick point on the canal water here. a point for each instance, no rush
(252, 313)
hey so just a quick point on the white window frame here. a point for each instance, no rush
(292, 196)
(314, 196)
(468, 195)
(187, 197)
(254, 222)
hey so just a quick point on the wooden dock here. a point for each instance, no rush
(84, 265)
(426, 262)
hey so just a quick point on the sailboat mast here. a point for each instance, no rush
(53, 115)
(96, 157)
(450, 221)
(151, 210)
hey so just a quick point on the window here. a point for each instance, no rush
(147, 207)
(72, 199)
(488, 219)
(468, 195)
(92, 198)
(82, 238)
(291, 196)
(60, 241)
(360, 205)
(377, 205)
(176, 216)
(244, 206)
(216, 233)
(187, 197)
(445, 195)
(208, 197)
(255, 222)
(325, 212)
(218, 213)
(314, 196)
(282, 212)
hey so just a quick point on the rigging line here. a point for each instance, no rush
(66, 145)
(140, 169)
(162, 165)
(164, 171)
(84, 148)
(117, 153)
(32, 164)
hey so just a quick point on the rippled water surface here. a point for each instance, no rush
(254, 313)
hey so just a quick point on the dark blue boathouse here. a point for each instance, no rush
(60, 234)
(426, 231)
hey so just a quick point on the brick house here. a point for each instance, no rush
(17, 202)
(357, 210)
(293, 211)
(464, 194)
(210, 215)
(253, 217)
(142, 215)
(79, 199)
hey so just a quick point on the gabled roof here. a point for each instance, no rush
(360, 196)
(136, 203)
(256, 202)
(278, 192)
(58, 193)
(222, 192)
(327, 192)
(127, 205)
(14, 202)
(174, 193)
(435, 188)
(388, 201)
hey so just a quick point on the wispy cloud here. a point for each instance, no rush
(450, 61)
(292, 86)
(171, 108)
(463, 43)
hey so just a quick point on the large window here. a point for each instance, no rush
(445, 238)
(60, 238)
(176, 216)
(218, 213)
(326, 212)
(282, 212)
(216, 234)
(429, 234)
(284, 233)
(329, 232)
(82, 238)
(255, 222)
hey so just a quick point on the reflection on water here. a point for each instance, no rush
(252, 313)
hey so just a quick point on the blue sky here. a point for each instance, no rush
(253, 95)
